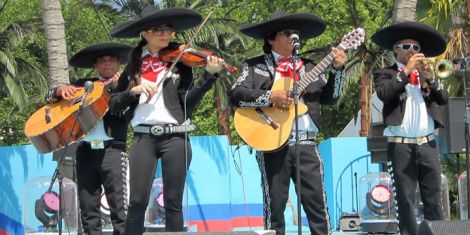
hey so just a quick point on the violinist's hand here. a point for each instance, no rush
(340, 58)
(214, 64)
(148, 89)
(66, 91)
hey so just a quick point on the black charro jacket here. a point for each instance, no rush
(176, 90)
(253, 88)
(390, 87)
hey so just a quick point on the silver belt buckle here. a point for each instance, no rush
(421, 140)
(157, 130)
(97, 144)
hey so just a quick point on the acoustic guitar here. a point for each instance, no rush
(49, 127)
(267, 129)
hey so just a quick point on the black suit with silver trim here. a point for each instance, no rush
(412, 161)
(107, 167)
(253, 89)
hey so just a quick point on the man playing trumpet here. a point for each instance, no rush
(411, 115)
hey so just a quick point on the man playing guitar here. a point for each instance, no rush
(253, 90)
(101, 155)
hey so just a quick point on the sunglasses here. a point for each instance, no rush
(287, 33)
(161, 30)
(409, 46)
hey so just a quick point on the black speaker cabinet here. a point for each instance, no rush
(377, 144)
(67, 163)
(452, 136)
(444, 227)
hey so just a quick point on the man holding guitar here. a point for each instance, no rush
(101, 156)
(254, 90)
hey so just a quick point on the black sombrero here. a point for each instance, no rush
(86, 58)
(178, 18)
(430, 40)
(308, 25)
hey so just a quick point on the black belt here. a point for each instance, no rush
(106, 143)
(303, 135)
(411, 140)
(159, 130)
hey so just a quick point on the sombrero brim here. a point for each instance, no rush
(308, 25)
(431, 42)
(86, 58)
(178, 18)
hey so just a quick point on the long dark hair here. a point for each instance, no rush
(135, 59)
(267, 47)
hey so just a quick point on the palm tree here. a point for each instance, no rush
(450, 18)
(55, 39)
(17, 74)
(404, 10)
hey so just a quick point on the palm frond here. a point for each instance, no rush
(32, 74)
(8, 63)
(17, 92)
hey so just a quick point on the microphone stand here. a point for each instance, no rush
(295, 93)
(57, 174)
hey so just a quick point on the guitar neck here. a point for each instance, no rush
(317, 70)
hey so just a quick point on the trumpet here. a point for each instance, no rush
(437, 68)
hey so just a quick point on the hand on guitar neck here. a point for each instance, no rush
(339, 59)
(281, 99)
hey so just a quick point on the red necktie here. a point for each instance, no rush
(414, 77)
(284, 67)
(151, 67)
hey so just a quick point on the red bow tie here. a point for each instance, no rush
(414, 77)
(151, 67)
(285, 68)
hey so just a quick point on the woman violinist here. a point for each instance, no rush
(158, 103)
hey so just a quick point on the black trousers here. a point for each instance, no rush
(280, 167)
(107, 167)
(144, 153)
(413, 165)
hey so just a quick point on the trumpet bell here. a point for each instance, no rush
(444, 69)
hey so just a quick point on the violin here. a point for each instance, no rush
(190, 57)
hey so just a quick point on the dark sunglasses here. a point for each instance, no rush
(287, 33)
(161, 30)
(408, 46)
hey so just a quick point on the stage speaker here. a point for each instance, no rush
(261, 232)
(377, 144)
(452, 136)
(444, 227)
(67, 165)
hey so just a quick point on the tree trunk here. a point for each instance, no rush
(223, 125)
(55, 39)
(365, 97)
(404, 10)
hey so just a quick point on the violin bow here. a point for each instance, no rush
(188, 44)
(181, 52)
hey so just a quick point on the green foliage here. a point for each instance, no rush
(11, 124)
(18, 69)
